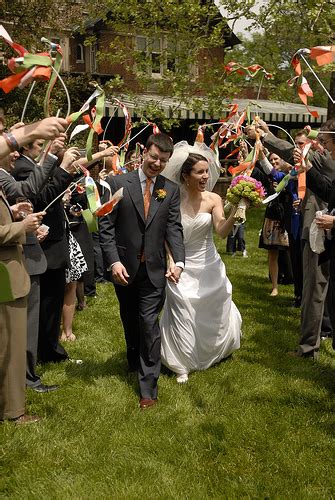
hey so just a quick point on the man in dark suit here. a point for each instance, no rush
(315, 276)
(36, 264)
(34, 258)
(55, 248)
(133, 240)
(323, 187)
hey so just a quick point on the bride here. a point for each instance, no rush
(200, 324)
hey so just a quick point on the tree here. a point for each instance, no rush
(191, 29)
(282, 27)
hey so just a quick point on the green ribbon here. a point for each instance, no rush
(90, 220)
(31, 60)
(313, 134)
(99, 112)
(53, 78)
(248, 114)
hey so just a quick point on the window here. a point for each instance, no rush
(155, 47)
(155, 55)
(80, 53)
(93, 58)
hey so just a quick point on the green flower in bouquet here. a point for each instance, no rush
(241, 190)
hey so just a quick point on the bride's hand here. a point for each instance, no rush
(173, 273)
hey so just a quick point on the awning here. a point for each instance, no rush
(269, 111)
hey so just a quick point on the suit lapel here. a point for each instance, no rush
(135, 192)
(154, 202)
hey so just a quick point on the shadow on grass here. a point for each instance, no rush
(276, 333)
(115, 366)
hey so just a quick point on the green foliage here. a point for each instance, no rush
(13, 103)
(188, 29)
(259, 425)
(281, 28)
(31, 19)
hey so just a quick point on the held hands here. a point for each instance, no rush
(173, 273)
(260, 126)
(119, 274)
(325, 221)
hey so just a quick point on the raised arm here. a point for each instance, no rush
(48, 129)
(221, 225)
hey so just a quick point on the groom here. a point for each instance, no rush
(133, 242)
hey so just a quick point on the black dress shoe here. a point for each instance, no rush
(45, 388)
(297, 302)
(310, 354)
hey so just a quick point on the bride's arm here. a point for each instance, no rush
(221, 225)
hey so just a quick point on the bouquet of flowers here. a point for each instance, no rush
(243, 191)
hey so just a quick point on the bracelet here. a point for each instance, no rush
(11, 141)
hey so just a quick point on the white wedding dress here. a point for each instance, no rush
(200, 324)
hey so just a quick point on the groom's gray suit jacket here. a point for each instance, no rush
(125, 233)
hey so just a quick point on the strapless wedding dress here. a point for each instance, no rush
(200, 324)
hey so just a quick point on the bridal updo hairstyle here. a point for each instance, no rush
(189, 163)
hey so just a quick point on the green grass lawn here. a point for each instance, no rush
(259, 425)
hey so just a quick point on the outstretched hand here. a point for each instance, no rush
(260, 126)
(70, 156)
(33, 221)
(304, 164)
(49, 128)
(106, 150)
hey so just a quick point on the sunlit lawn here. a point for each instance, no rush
(259, 425)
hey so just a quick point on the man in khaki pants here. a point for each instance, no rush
(13, 311)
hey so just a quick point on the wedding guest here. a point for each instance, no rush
(274, 237)
(325, 189)
(315, 275)
(236, 241)
(34, 257)
(200, 323)
(55, 248)
(133, 241)
(75, 271)
(132, 160)
(13, 310)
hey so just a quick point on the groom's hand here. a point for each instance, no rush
(173, 274)
(119, 274)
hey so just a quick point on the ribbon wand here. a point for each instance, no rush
(27, 101)
(71, 187)
(138, 133)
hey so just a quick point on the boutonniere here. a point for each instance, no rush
(160, 194)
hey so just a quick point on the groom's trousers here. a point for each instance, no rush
(140, 304)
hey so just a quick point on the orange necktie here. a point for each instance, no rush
(147, 197)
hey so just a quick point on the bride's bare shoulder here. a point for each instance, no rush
(213, 197)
